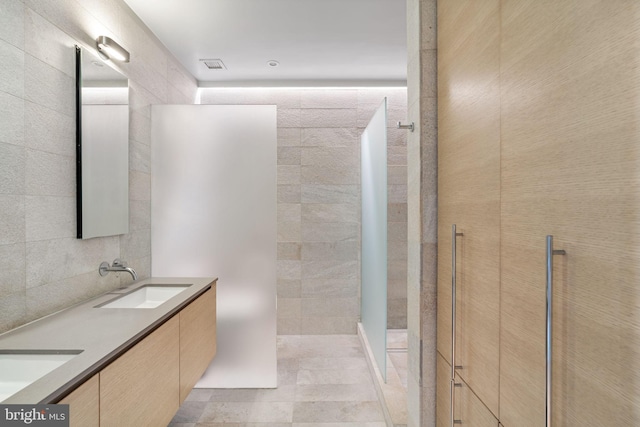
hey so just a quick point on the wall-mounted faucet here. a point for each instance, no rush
(118, 265)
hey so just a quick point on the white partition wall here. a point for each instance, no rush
(374, 235)
(213, 213)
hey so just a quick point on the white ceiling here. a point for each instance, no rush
(316, 42)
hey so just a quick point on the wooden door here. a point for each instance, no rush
(469, 189)
(570, 168)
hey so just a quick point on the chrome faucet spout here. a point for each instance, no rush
(117, 265)
(132, 272)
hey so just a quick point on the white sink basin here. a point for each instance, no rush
(19, 369)
(148, 296)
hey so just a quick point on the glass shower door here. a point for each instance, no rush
(374, 235)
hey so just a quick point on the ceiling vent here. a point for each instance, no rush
(214, 64)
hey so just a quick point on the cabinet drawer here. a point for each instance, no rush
(443, 392)
(470, 410)
(197, 340)
(141, 387)
(84, 404)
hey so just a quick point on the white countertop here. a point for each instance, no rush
(101, 333)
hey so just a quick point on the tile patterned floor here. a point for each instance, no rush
(323, 381)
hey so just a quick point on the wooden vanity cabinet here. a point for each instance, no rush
(84, 404)
(197, 340)
(141, 387)
(147, 384)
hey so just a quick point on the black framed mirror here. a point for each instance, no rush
(102, 147)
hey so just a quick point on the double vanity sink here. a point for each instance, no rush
(43, 360)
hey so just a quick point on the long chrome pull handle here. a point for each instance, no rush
(454, 250)
(454, 384)
(454, 235)
(548, 343)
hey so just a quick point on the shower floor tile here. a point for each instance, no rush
(323, 381)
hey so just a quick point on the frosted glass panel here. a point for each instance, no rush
(374, 235)
(214, 214)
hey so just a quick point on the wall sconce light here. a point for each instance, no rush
(109, 49)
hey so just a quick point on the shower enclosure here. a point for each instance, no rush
(374, 235)
(384, 243)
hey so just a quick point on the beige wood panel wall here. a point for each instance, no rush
(570, 162)
(469, 189)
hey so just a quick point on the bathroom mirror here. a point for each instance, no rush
(102, 147)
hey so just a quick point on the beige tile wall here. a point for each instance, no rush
(319, 202)
(43, 267)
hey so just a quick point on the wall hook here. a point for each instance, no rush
(410, 126)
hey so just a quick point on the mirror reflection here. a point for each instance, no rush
(102, 148)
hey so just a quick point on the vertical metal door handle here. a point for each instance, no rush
(454, 235)
(548, 343)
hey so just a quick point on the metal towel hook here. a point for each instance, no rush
(411, 126)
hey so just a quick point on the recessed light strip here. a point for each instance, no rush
(315, 84)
